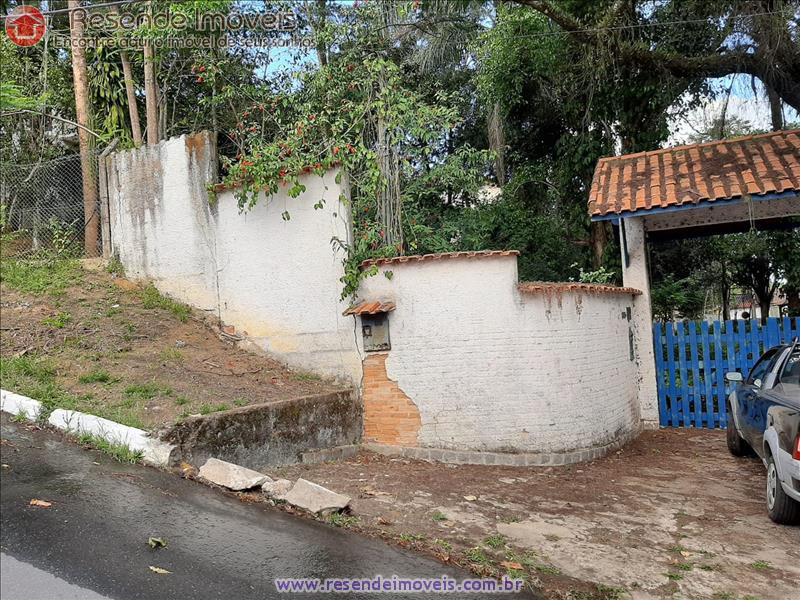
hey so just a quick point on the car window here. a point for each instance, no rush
(761, 368)
(791, 370)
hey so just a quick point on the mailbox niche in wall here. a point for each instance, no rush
(375, 332)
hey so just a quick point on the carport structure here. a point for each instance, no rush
(691, 191)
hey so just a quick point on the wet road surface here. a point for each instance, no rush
(92, 542)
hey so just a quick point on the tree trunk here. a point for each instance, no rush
(83, 112)
(764, 306)
(599, 240)
(319, 24)
(497, 142)
(775, 109)
(130, 92)
(133, 109)
(725, 292)
(151, 92)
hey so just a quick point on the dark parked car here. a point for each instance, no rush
(765, 418)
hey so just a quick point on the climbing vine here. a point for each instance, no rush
(354, 114)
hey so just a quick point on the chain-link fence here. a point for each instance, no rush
(42, 209)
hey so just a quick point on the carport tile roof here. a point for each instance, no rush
(720, 170)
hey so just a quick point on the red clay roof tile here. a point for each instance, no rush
(534, 287)
(426, 257)
(370, 308)
(725, 169)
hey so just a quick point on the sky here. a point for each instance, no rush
(743, 104)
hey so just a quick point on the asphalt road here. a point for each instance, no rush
(92, 542)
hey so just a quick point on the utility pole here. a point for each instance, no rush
(83, 112)
(150, 91)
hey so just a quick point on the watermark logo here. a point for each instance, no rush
(25, 25)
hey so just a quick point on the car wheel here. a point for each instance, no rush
(781, 508)
(736, 443)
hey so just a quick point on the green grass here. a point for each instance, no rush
(761, 565)
(58, 321)
(181, 400)
(443, 544)
(147, 391)
(608, 592)
(115, 267)
(674, 576)
(240, 402)
(96, 376)
(36, 378)
(20, 417)
(411, 537)
(495, 541)
(477, 555)
(207, 409)
(39, 277)
(118, 452)
(171, 355)
(304, 376)
(685, 566)
(152, 298)
(340, 520)
(439, 516)
(723, 596)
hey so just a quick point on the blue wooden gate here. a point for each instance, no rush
(692, 359)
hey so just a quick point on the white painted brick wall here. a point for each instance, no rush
(274, 279)
(493, 369)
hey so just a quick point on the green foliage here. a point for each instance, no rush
(682, 298)
(146, 391)
(36, 378)
(58, 321)
(96, 376)
(12, 97)
(40, 276)
(495, 541)
(119, 452)
(602, 276)
(152, 298)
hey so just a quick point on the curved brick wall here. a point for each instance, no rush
(479, 363)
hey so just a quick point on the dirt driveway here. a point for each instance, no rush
(670, 515)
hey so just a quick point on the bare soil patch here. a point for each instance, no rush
(104, 345)
(671, 515)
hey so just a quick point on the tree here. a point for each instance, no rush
(756, 38)
(83, 111)
(767, 262)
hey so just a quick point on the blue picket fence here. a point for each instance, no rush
(693, 357)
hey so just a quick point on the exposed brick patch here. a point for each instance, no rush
(390, 417)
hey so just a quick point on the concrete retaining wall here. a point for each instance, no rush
(271, 434)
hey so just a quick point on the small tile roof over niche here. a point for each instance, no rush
(370, 308)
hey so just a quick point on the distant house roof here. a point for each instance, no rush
(721, 170)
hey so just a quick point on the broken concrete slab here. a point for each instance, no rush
(279, 487)
(315, 498)
(230, 475)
